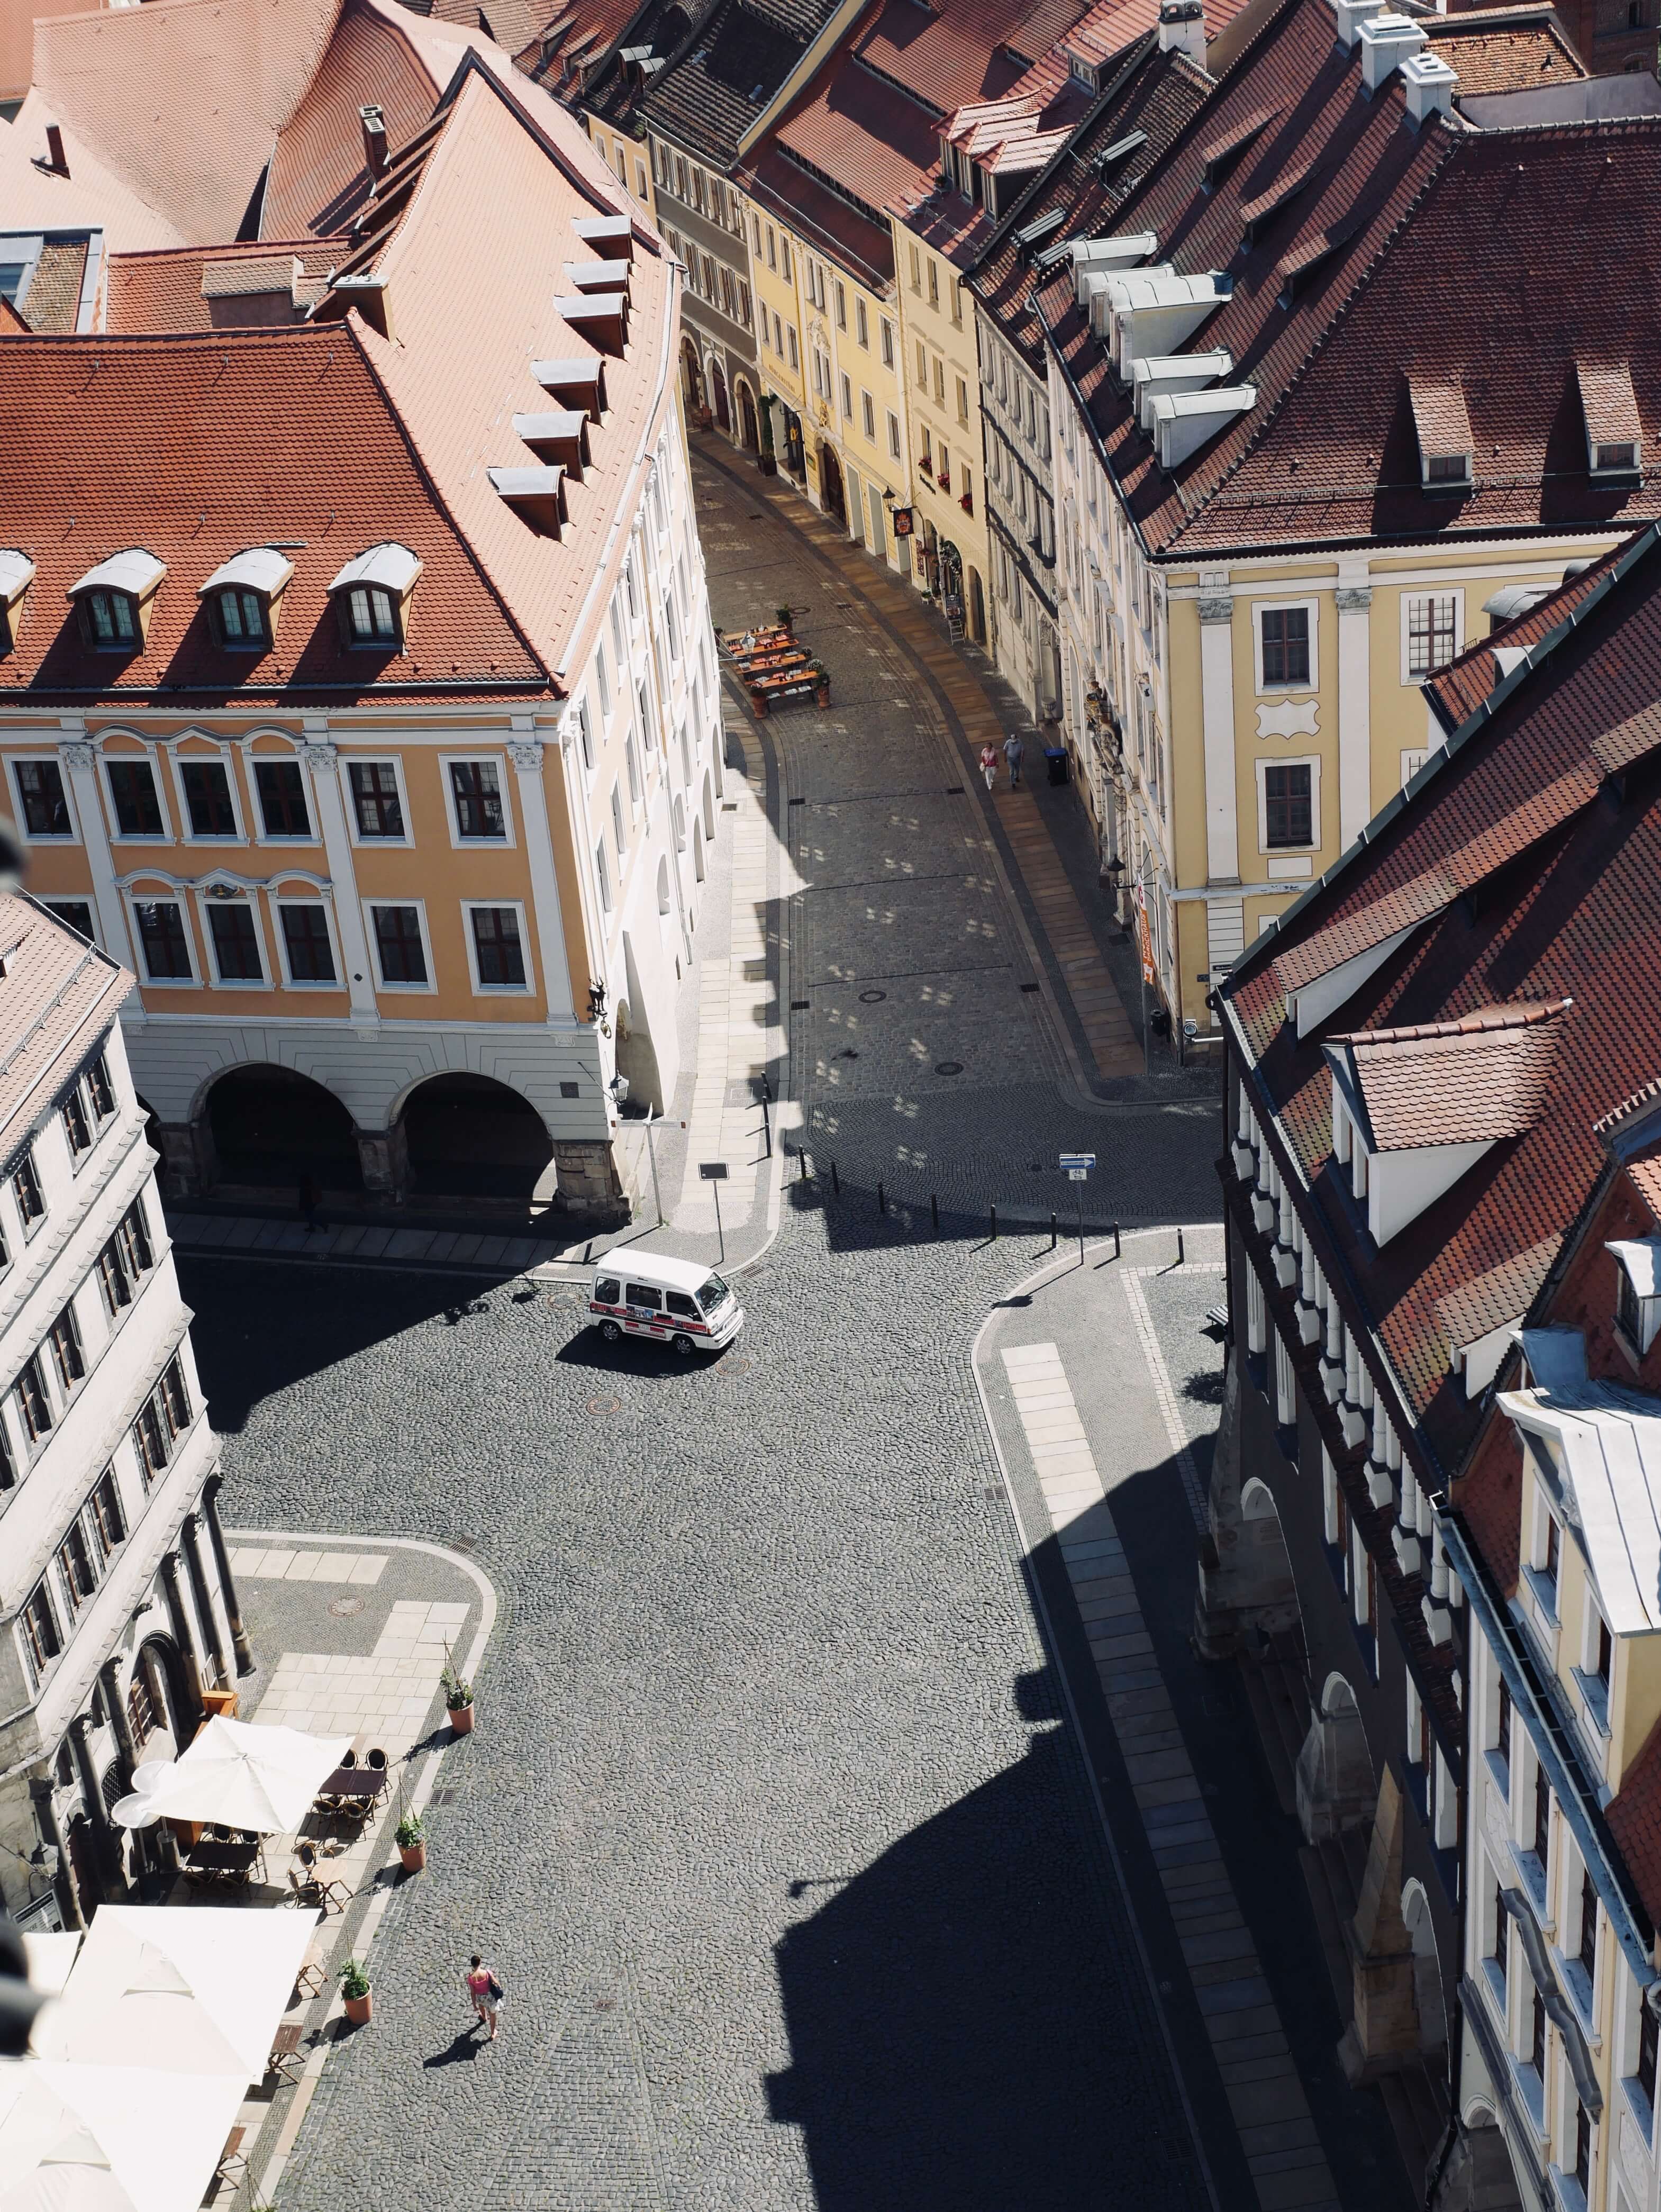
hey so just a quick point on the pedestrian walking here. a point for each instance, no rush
(1014, 752)
(989, 765)
(485, 1991)
(311, 1199)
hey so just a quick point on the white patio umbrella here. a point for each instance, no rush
(196, 1990)
(50, 1956)
(110, 2138)
(260, 1779)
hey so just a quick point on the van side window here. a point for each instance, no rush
(642, 1294)
(680, 1303)
(608, 1291)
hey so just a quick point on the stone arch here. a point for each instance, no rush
(832, 498)
(976, 608)
(260, 1126)
(697, 850)
(1335, 1779)
(637, 1048)
(718, 393)
(1257, 1502)
(708, 804)
(748, 425)
(472, 1136)
(691, 374)
(163, 1706)
(665, 902)
(1426, 1967)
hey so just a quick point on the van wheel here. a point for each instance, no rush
(682, 1345)
(609, 1333)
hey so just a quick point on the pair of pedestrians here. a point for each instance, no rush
(1014, 753)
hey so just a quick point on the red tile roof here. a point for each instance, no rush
(1503, 49)
(961, 50)
(328, 436)
(1569, 908)
(56, 994)
(164, 291)
(1462, 687)
(1415, 240)
(183, 98)
(317, 180)
(1476, 1078)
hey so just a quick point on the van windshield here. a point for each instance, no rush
(713, 1293)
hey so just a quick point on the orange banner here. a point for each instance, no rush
(1144, 938)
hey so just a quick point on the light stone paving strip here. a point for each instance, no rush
(296, 1566)
(1266, 2097)
(739, 1029)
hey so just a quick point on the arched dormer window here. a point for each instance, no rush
(244, 599)
(371, 598)
(113, 601)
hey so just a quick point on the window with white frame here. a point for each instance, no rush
(496, 946)
(77, 913)
(284, 816)
(208, 800)
(307, 941)
(1431, 632)
(1288, 804)
(164, 941)
(478, 801)
(603, 876)
(398, 933)
(1284, 642)
(43, 804)
(135, 799)
(377, 790)
(233, 943)
(616, 823)
(585, 736)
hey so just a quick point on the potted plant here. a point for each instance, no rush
(354, 1991)
(412, 1842)
(782, 615)
(458, 1697)
(821, 684)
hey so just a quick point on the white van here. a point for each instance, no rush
(678, 1302)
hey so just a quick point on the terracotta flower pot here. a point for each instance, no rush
(414, 1856)
(358, 2008)
(824, 695)
(461, 1719)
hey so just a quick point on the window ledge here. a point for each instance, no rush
(1531, 2095)
(1565, 2190)
(1642, 2109)
(1545, 1594)
(1499, 1775)
(1571, 1976)
(1494, 1983)
(1595, 1697)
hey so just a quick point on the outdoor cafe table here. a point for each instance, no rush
(365, 1783)
(230, 1863)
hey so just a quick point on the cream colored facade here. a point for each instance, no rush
(942, 380)
(1176, 708)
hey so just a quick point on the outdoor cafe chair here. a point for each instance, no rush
(232, 2167)
(377, 1759)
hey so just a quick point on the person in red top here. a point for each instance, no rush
(485, 1991)
(989, 765)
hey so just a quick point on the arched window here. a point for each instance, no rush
(663, 886)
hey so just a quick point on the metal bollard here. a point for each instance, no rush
(935, 1211)
(801, 1159)
(1181, 1255)
(836, 1182)
(1052, 1232)
(994, 1225)
(882, 1201)
(1116, 1240)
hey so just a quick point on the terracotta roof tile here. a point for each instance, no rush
(1461, 688)
(317, 180)
(960, 50)
(1503, 49)
(166, 291)
(1441, 420)
(96, 195)
(1633, 1819)
(1476, 1078)
(219, 76)
(1436, 226)
(1569, 907)
(57, 993)
(1500, 1295)
(1608, 403)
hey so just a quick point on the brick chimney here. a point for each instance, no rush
(56, 160)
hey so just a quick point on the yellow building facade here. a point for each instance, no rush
(942, 389)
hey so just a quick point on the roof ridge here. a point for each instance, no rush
(1606, 1124)
(1527, 1014)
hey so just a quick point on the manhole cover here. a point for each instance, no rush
(872, 998)
(740, 1366)
(847, 1052)
(605, 1404)
(463, 1543)
(948, 1067)
(798, 1006)
(344, 1608)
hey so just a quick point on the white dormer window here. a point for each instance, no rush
(114, 600)
(244, 596)
(16, 575)
(1638, 1291)
(371, 598)
(1609, 406)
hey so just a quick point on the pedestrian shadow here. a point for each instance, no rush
(965, 2030)
(466, 2046)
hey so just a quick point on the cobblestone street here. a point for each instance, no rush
(772, 1824)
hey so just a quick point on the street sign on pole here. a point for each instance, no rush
(1078, 1166)
(1072, 1161)
(1078, 1175)
(714, 1171)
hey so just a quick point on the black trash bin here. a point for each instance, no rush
(1056, 761)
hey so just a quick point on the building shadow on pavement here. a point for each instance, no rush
(328, 1315)
(969, 2029)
